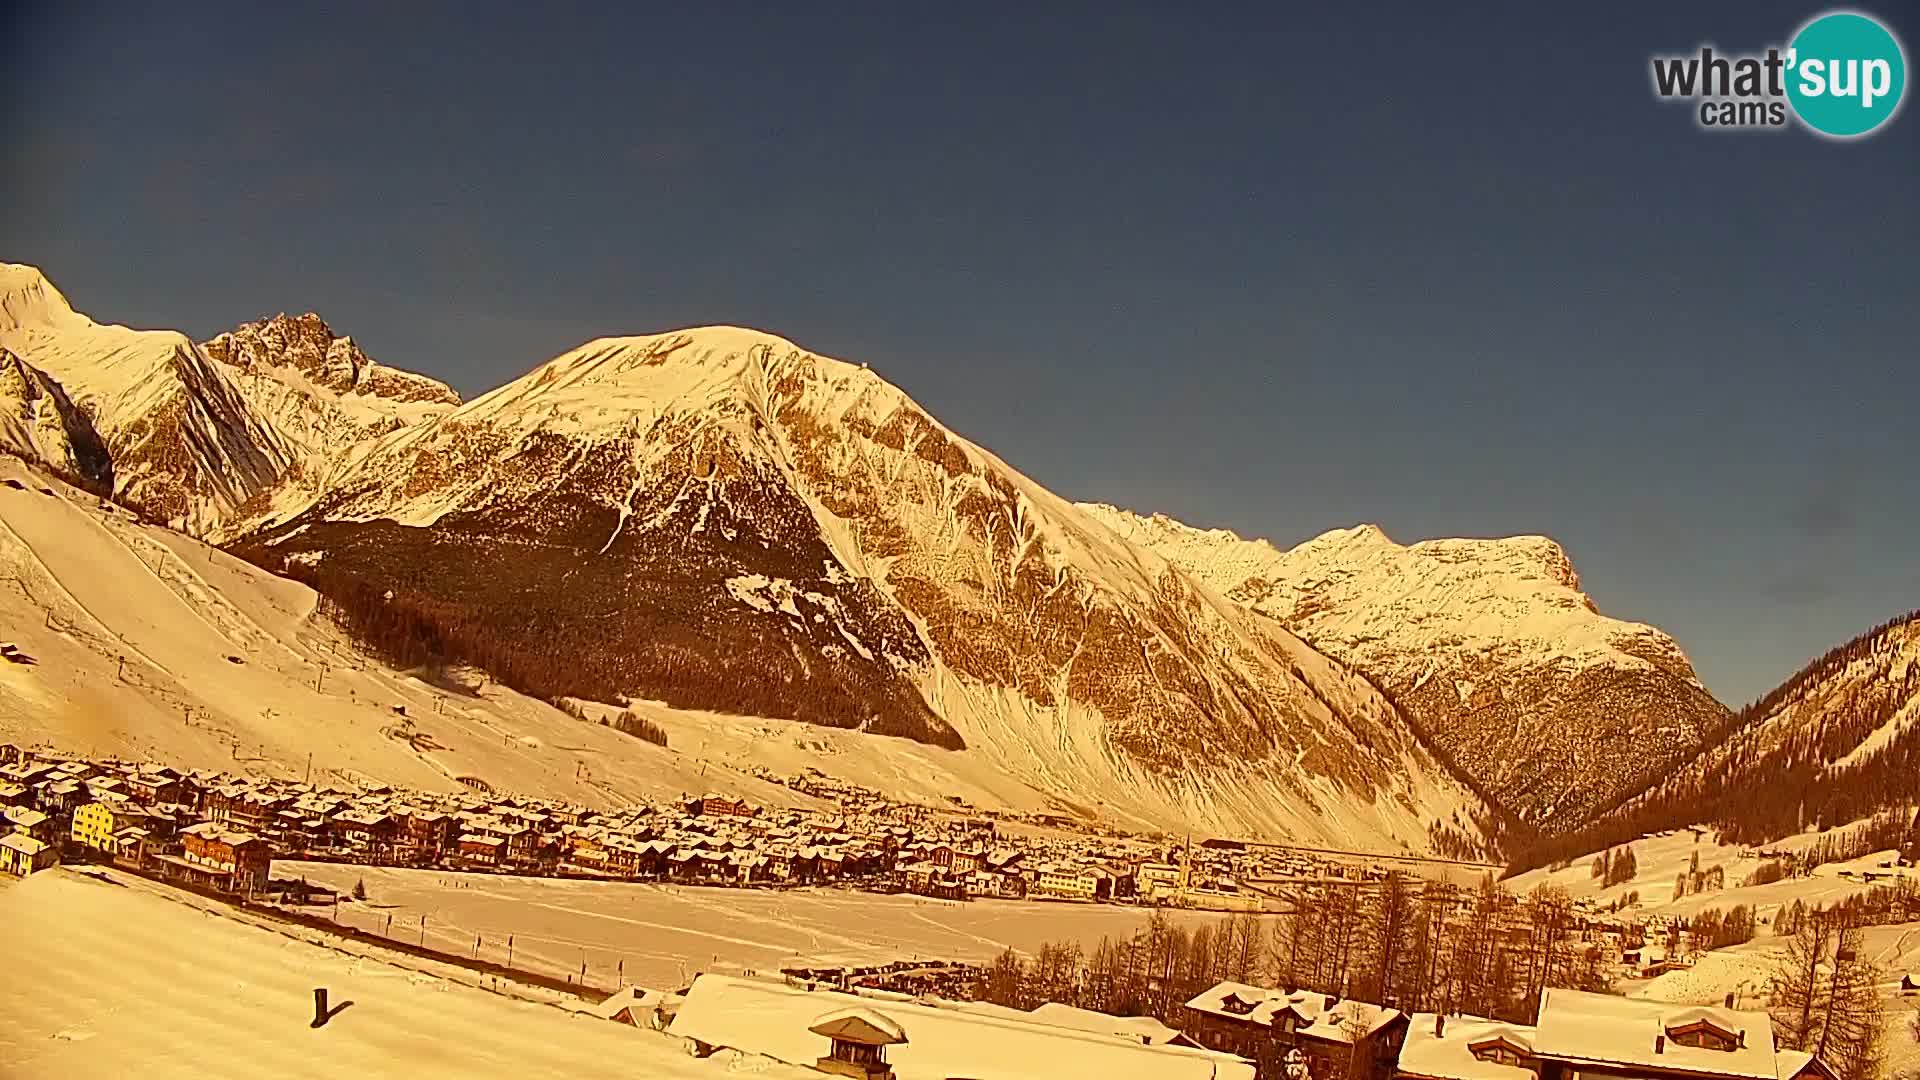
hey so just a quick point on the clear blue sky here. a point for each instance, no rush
(1279, 270)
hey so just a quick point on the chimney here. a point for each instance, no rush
(1659, 1044)
(1730, 998)
(1332, 1000)
(1439, 1025)
(319, 1006)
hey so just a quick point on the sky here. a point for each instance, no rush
(1272, 268)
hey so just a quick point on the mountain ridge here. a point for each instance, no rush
(1554, 709)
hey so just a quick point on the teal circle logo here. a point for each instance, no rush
(1846, 74)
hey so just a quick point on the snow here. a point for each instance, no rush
(663, 934)
(128, 979)
(1358, 591)
(1601, 1028)
(1445, 1052)
(268, 442)
(1659, 861)
(769, 1018)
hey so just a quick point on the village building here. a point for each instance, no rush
(1337, 1038)
(718, 806)
(1599, 1035)
(28, 821)
(481, 851)
(21, 854)
(1440, 1047)
(1084, 883)
(1152, 881)
(914, 1041)
(95, 823)
(221, 858)
(636, 1006)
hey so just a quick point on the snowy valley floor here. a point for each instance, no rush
(115, 977)
(659, 935)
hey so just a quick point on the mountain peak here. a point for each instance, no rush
(28, 298)
(306, 346)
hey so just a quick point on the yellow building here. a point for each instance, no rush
(94, 825)
(22, 854)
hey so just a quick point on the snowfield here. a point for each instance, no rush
(1660, 859)
(661, 935)
(119, 978)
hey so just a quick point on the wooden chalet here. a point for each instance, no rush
(1337, 1038)
(221, 858)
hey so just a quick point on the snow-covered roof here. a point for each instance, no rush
(1600, 1028)
(1322, 1016)
(22, 843)
(768, 1017)
(1145, 1028)
(1446, 1052)
(860, 1024)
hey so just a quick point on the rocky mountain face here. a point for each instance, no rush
(325, 397)
(39, 422)
(721, 520)
(210, 438)
(187, 446)
(1836, 743)
(1556, 711)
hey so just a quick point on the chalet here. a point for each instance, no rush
(27, 821)
(10, 754)
(1598, 1035)
(60, 796)
(994, 884)
(635, 1006)
(955, 860)
(1146, 1029)
(228, 860)
(476, 849)
(154, 787)
(880, 1035)
(12, 794)
(931, 879)
(718, 806)
(1338, 1038)
(21, 854)
(1439, 1047)
(364, 830)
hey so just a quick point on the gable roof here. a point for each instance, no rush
(1320, 1016)
(769, 1017)
(1602, 1029)
(1450, 1055)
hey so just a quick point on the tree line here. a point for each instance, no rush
(1398, 943)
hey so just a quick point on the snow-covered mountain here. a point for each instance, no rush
(322, 390)
(187, 446)
(326, 397)
(1557, 711)
(720, 519)
(211, 437)
(1836, 743)
(39, 422)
